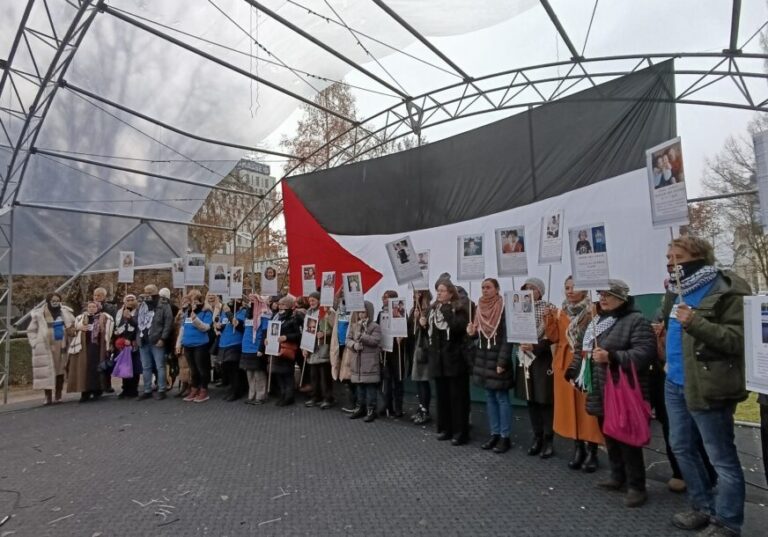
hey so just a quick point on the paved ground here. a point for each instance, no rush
(120, 468)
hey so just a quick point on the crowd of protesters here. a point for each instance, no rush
(687, 366)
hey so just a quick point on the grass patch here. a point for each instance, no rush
(21, 361)
(749, 410)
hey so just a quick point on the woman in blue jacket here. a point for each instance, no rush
(231, 326)
(197, 319)
(252, 358)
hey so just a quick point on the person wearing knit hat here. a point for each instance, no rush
(533, 381)
(165, 293)
(320, 359)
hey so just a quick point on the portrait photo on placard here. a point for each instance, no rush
(473, 246)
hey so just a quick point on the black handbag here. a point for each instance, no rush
(107, 366)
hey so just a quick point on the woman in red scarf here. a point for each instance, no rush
(491, 363)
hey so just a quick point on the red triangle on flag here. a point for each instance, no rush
(310, 244)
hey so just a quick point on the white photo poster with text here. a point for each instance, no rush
(471, 257)
(589, 256)
(309, 334)
(217, 279)
(666, 184)
(236, 283)
(423, 282)
(387, 339)
(756, 342)
(268, 281)
(327, 289)
(195, 273)
(272, 346)
(520, 317)
(125, 268)
(353, 291)
(405, 262)
(308, 279)
(551, 242)
(511, 256)
(398, 318)
(177, 272)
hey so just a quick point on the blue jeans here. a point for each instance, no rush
(499, 411)
(153, 356)
(715, 428)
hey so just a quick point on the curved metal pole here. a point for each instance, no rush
(53, 69)
(177, 130)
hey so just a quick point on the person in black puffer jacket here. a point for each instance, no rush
(618, 336)
(491, 363)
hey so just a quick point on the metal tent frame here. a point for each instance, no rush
(514, 89)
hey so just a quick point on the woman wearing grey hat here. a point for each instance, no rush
(618, 337)
(533, 381)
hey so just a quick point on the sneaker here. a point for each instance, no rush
(202, 396)
(192, 395)
(676, 485)
(144, 396)
(325, 405)
(635, 498)
(310, 403)
(690, 520)
(348, 409)
(160, 396)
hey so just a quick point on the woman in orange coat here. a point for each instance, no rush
(566, 328)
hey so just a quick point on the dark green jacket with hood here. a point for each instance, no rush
(713, 344)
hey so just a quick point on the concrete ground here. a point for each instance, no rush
(156, 468)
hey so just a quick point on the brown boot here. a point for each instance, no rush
(635, 498)
(59, 387)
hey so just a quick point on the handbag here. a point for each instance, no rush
(627, 414)
(123, 367)
(107, 366)
(288, 350)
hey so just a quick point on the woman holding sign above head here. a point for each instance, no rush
(533, 381)
(620, 343)
(492, 369)
(446, 324)
(566, 329)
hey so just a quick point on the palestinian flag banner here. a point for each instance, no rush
(583, 156)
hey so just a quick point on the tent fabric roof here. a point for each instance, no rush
(77, 75)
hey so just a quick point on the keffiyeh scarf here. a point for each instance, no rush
(697, 280)
(579, 315)
(488, 317)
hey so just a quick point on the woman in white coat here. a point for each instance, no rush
(50, 330)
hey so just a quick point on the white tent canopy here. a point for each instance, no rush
(134, 108)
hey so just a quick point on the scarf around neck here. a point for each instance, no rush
(437, 320)
(488, 316)
(697, 280)
(579, 314)
(597, 326)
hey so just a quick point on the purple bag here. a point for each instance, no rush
(124, 364)
(627, 414)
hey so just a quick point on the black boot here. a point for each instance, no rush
(548, 449)
(579, 454)
(370, 416)
(359, 412)
(491, 442)
(590, 463)
(503, 446)
(535, 448)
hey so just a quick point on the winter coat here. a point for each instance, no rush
(291, 328)
(48, 355)
(81, 376)
(446, 347)
(195, 332)
(162, 322)
(537, 385)
(364, 345)
(487, 355)
(322, 354)
(713, 345)
(629, 341)
(417, 347)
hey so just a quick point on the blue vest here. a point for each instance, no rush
(249, 345)
(231, 337)
(193, 337)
